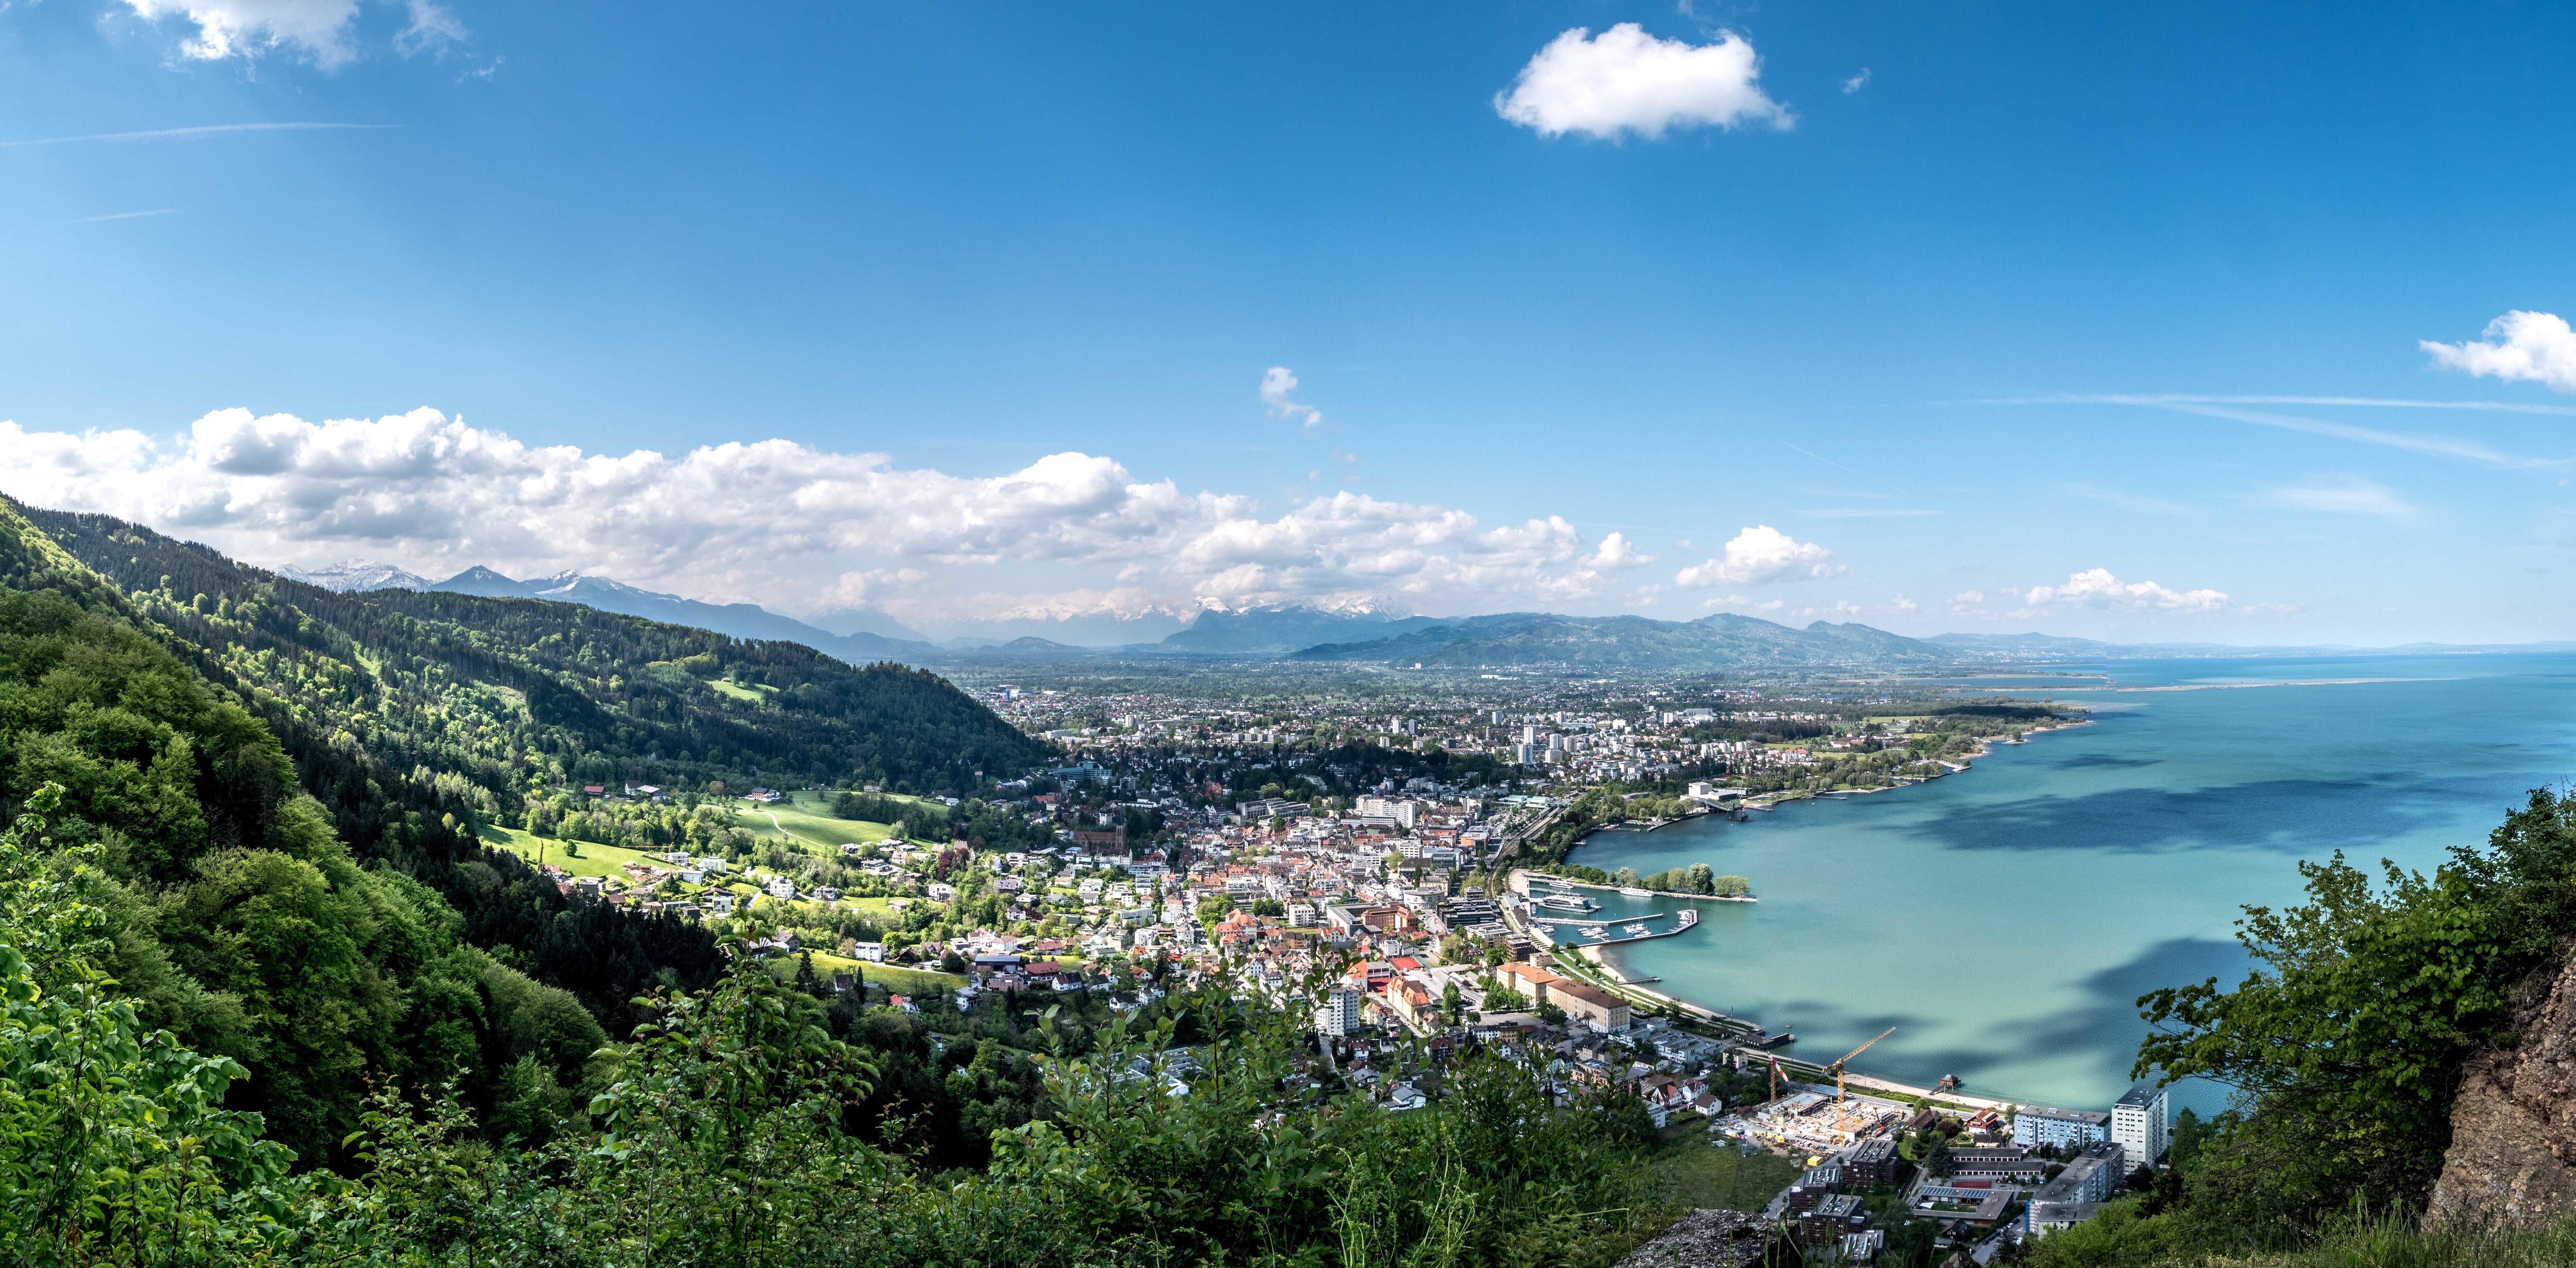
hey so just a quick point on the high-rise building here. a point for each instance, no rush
(1340, 1014)
(2138, 1124)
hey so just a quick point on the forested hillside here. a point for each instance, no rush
(318, 942)
(213, 981)
(488, 697)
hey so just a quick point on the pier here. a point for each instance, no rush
(1689, 919)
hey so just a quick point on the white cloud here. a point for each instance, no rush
(431, 30)
(1276, 383)
(2097, 588)
(801, 528)
(1969, 597)
(319, 29)
(1856, 82)
(1625, 81)
(2360, 497)
(2534, 347)
(872, 585)
(1618, 552)
(1761, 554)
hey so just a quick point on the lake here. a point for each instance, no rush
(2006, 919)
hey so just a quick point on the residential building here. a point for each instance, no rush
(1872, 1163)
(2037, 1125)
(2011, 1164)
(1340, 1013)
(2138, 1124)
(1820, 1181)
(1833, 1217)
(1592, 1006)
(2078, 1192)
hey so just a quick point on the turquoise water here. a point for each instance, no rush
(2005, 920)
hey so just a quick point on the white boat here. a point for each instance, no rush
(1563, 902)
(1632, 929)
(1634, 892)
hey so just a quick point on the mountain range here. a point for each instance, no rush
(1719, 642)
(1722, 642)
(854, 643)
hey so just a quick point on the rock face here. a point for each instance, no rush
(2512, 1161)
(1704, 1239)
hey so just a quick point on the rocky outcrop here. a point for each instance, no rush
(1704, 1239)
(2512, 1161)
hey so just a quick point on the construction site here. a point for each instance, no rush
(1812, 1119)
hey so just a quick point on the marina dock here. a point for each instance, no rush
(1689, 918)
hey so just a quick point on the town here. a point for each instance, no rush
(1394, 874)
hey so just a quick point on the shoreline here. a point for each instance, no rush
(1619, 982)
(1656, 893)
(1617, 978)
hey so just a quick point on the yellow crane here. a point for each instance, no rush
(1837, 1068)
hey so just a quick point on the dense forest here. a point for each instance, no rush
(284, 902)
(490, 697)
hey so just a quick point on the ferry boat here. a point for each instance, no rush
(1634, 892)
(1563, 902)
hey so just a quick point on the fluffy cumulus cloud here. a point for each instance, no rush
(2530, 347)
(1276, 383)
(321, 30)
(784, 523)
(1625, 82)
(1617, 551)
(2097, 588)
(1758, 555)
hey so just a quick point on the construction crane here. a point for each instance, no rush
(1837, 1068)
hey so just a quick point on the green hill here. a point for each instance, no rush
(272, 893)
(505, 693)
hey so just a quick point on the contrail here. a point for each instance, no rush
(123, 215)
(208, 129)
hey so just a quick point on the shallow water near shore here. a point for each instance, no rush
(2005, 919)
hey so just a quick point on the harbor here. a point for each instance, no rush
(1594, 933)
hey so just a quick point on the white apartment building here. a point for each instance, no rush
(1400, 810)
(2138, 1124)
(1340, 1014)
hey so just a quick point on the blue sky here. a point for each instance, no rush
(1843, 310)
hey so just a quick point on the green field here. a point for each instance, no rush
(902, 981)
(596, 860)
(728, 687)
(803, 817)
(1691, 1173)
